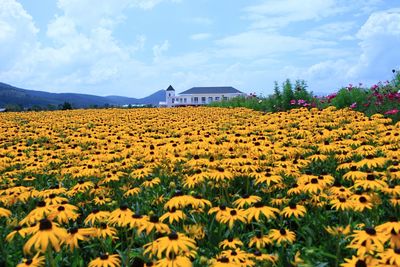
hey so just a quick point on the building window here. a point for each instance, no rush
(173, 100)
(203, 99)
(217, 98)
(169, 95)
(209, 99)
(184, 100)
(196, 100)
(224, 98)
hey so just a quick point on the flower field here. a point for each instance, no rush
(199, 187)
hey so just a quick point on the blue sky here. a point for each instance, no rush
(136, 47)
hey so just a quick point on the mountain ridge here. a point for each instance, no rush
(11, 95)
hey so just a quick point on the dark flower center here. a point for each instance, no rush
(61, 208)
(137, 216)
(230, 239)
(257, 253)
(41, 204)
(293, 206)
(362, 199)
(173, 236)
(245, 196)
(104, 257)
(342, 200)
(370, 177)
(259, 205)
(52, 196)
(397, 251)
(73, 230)
(45, 224)
(370, 231)
(282, 231)
(224, 260)
(233, 253)
(123, 207)
(361, 263)
(258, 235)
(28, 262)
(95, 211)
(233, 212)
(154, 219)
(222, 207)
(314, 181)
(103, 226)
(17, 228)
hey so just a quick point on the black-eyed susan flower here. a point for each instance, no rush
(178, 261)
(294, 210)
(78, 234)
(231, 243)
(367, 241)
(259, 209)
(97, 216)
(172, 244)
(173, 215)
(153, 223)
(45, 233)
(259, 241)
(282, 236)
(36, 261)
(106, 260)
(233, 216)
(338, 230)
(105, 231)
(246, 200)
(120, 216)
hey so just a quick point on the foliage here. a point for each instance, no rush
(382, 98)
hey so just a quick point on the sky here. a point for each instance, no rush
(137, 47)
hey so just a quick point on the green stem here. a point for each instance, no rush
(50, 257)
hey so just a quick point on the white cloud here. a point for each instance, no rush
(202, 20)
(330, 30)
(254, 44)
(17, 33)
(200, 36)
(273, 14)
(378, 37)
(159, 49)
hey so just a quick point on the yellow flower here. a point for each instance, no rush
(45, 233)
(282, 236)
(36, 261)
(105, 260)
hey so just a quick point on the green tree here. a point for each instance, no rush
(66, 106)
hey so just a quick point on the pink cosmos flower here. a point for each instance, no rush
(392, 111)
(293, 102)
(354, 105)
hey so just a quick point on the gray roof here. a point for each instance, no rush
(170, 88)
(211, 90)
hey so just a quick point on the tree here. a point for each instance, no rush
(66, 106)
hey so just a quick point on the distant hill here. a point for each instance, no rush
(10, 95)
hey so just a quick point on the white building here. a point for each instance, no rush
(199, 96)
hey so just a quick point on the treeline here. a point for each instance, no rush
(65, 106)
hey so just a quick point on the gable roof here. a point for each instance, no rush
(211, 90)
(170, 88)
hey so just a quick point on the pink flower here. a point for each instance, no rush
(293, 102)
(301, 101)
(392, 111)
(354, 105)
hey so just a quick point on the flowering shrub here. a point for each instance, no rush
(382, 98)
